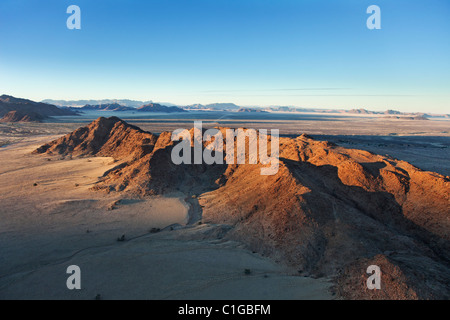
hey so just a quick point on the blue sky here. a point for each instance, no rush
(251, 52)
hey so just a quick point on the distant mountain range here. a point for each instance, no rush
(81, 103)
(351, 111)
(133, 105)
(121, 102)
(22, 110)
(37, 111)
(393, 114)
(151, 107)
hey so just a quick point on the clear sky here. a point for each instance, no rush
(311, 53)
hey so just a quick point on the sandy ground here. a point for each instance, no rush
(163, 266)
(50, 220)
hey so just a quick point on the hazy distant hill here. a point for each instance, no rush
(284, 109)
(27, 109)
(392, 112)
(402, 117)
(360, 111)
(107, 107)
(155, 107)
(251, 110)
(214, 106)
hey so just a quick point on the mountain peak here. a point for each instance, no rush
(110, 137)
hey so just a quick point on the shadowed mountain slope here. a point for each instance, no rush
(9, 103)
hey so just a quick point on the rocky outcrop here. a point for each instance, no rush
(109, 137)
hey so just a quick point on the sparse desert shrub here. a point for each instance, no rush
(155, 230)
